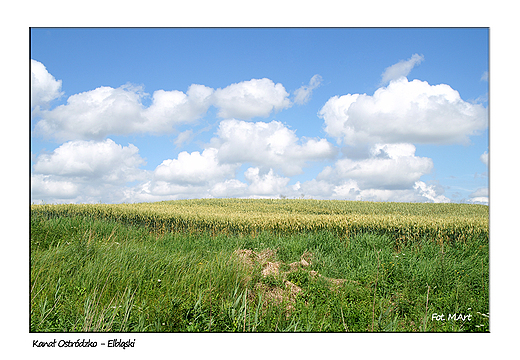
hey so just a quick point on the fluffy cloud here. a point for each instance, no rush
(248, 99)
(44, 87)
(103, 111)
(304, 93)
(402, 68)
(97, 113)
(392, 172)
(379, 164)
(229, 188)
(194, 168)
(259, 185)
(318, 189)
(265, 184)
(170, 108)
(433, 193)
(349, 189)
(404, 111)
(86, 171)
(91, 161)
(44, 187)
(391, 166)
(268, 145)
(93, 114)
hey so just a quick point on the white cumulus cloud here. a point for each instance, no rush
(170, 108)
(390, 172)
(92, 160)
(349, 189)
(404, 111)
(86, 171)
(249, 99)
(103, 111)
(268, 145)
(44, 187)
(265, 184)
(229, 188)
(194, 168)
(391, 166)
(97, 113)
(44, 87)
(94, 114)
(431, 192)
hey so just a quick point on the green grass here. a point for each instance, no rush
(102, 276)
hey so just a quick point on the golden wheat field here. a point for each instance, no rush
(404, 221)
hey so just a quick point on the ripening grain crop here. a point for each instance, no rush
(404, 221)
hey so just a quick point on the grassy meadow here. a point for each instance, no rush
(229, 265)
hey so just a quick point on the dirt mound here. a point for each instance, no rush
(271, 268)
(250, 257)
(279, 290)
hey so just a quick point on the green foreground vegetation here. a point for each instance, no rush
(128, 268)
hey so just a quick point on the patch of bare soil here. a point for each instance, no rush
(265, 262)
(251, 258)
(271, 268)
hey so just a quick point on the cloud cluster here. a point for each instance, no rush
(377, 163)
(104, 111)
(390, 166)
(404, 111)
(82, 171)
(391, 172)
(78, 166)
(349, 189)
(85, 171)
(268, 145)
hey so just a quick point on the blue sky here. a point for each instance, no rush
(149, 114)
